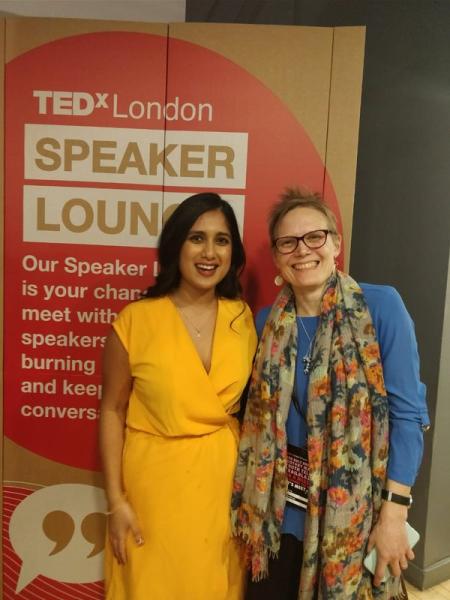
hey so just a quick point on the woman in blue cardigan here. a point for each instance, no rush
(333, 432)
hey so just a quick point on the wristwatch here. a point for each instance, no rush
(397, 498)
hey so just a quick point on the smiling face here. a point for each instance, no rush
(304, 269)
(205, 256)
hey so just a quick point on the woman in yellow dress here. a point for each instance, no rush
(175, 365)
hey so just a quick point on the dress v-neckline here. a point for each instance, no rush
(191, 340)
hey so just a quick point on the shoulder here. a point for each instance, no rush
(140, 319)
(389, 314)
(379, 292)
(236, 309)
(383, 299)
(261, 318)
(134, 323)
(234, 306)
(143, 308)
(238, 317)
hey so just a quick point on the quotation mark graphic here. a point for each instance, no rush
(59, 527)
(59, 531)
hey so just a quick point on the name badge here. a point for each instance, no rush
(298, 477)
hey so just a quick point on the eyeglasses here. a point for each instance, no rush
(312, 240)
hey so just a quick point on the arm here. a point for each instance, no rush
(407, 418)
(117, 382)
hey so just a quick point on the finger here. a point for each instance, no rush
(119, 557)
(380, 572)
(395, 568)
(137, 534)
(403, 564)
(114, 547)
(118, 552)
(118, 544)
(370, 543)
(376, 580)
(410, 555)
(122, 552)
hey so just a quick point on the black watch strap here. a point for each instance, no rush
(397, 498)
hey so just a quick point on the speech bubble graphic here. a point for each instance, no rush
(47, 548)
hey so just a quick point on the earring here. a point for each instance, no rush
(278, 280)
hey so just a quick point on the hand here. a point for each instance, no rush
(391, 541)
(122, 522)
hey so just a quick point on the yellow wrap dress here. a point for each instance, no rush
(180, 453)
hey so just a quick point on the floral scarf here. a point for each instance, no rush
(347, 420)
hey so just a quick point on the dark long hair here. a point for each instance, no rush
(173, 236)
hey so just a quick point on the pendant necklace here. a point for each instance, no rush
(307, 358)
(188, 320)
(198, 332)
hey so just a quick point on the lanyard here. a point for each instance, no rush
(295, 400)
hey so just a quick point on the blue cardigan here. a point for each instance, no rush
(406, 393)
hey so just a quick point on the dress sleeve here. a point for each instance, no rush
(408, 415)
(122, 326)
